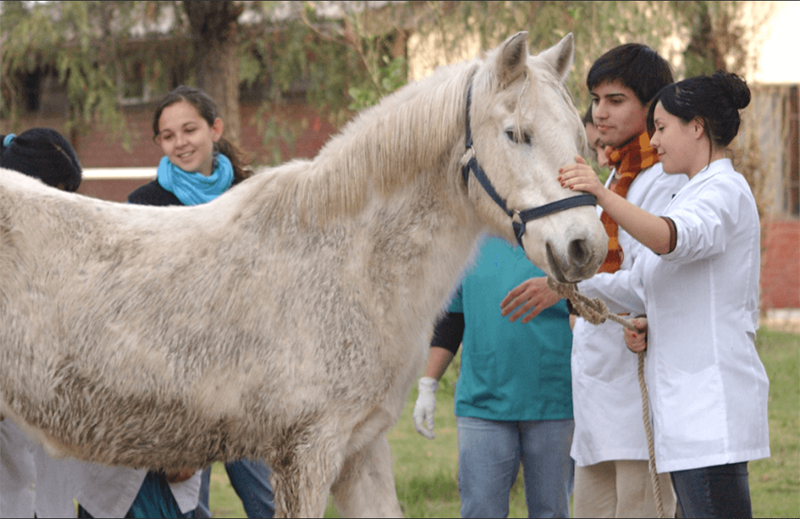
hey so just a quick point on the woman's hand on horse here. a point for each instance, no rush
(532, 295)
(637, 340)
(581, 177)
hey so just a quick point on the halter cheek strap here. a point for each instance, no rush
(519, 218)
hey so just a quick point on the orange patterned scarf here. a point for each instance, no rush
(628, 161)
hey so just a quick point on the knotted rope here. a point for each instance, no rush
(595, 311)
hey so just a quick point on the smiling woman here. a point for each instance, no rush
(187, 139)
(198, 166)
(199, 163)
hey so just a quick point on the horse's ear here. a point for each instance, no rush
(512, 59)
(560, 56)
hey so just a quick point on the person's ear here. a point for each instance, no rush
(698, 127)
(216, 129)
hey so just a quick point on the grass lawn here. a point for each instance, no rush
(426, 471)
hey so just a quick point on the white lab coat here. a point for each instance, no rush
(30, 480)
(708, 388)
(17, 472)
(55, 485)
(110, 491)
(605, 389)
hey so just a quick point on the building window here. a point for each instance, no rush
(132, 83)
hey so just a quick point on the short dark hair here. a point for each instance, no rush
(637, 66)
(715, 100)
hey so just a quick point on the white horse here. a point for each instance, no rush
(288, 318)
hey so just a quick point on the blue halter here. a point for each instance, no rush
(519, 218)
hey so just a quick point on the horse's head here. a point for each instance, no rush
(523, 128)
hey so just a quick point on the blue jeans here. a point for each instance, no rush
(719, 491)
(250, 480)
(489, 456)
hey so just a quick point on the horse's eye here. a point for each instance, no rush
(525, 137)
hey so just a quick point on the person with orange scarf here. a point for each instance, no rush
(609, 444)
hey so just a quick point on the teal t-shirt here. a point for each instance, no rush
(510, 371)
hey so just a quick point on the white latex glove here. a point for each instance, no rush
(425, 407)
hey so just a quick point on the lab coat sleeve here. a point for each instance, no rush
(622, 291)
(704, 227)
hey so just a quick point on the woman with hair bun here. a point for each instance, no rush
(698, 286)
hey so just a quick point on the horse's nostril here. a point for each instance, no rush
(579, 253)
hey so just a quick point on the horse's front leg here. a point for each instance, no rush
(303, 474)
(365, 487)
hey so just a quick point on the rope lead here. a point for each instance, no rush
(596, 312)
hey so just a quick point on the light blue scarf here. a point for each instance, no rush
(195, 188)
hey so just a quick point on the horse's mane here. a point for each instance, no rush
(381, 150)
(386, 146)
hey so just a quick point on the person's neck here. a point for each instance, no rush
(633, 137)
(704, 160)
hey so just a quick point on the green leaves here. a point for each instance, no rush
(336, 62)
(388, 78)
(78, 43)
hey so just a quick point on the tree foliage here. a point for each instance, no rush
(91, 49)
(337, 61)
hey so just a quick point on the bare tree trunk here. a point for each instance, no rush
(214, 32)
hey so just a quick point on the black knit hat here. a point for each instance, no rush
(44, 154)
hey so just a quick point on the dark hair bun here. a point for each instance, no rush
(735, 87)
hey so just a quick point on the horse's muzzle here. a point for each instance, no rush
(579, 263)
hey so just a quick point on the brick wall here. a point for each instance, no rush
(100, 149)
(780, 265)
(97, 149)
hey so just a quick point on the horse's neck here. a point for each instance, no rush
(394, 170)
(386, 148)
(421, 243)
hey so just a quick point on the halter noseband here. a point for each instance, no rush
(519, 218)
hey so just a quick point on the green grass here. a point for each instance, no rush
(426, 470)
(775, 481)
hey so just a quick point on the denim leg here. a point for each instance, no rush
(250, 480)
(719, 491)
(488, 463)
(547, 466)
